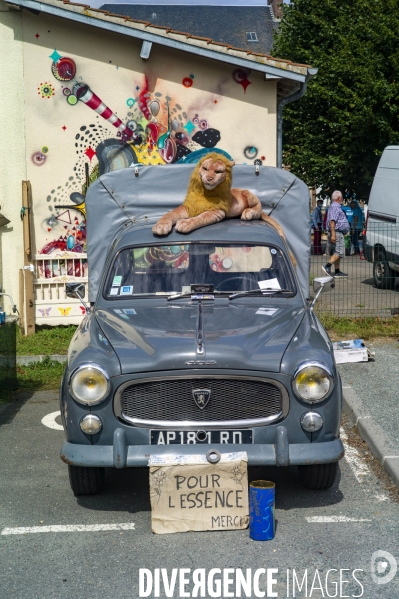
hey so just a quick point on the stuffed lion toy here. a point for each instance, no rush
(210, 199)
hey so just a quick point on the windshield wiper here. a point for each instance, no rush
(267, 292)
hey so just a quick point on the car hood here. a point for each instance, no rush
(236, 335)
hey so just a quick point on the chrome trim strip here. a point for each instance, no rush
(190, 424)
(196, 425)
(200, 331)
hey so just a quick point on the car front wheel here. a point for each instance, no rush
(318, 476)
(384, 277)
(85, 480)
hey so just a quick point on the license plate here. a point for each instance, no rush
(200, 437)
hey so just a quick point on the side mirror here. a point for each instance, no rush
(320, 285)
(75, 290)
(324, 284)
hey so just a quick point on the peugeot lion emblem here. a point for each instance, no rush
(202, 397)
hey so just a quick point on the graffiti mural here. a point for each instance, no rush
(46, 90)
(240, 76)
(152, 129)
(155, 130)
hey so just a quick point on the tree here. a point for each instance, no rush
(334, 135)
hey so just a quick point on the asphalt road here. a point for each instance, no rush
(357, 517)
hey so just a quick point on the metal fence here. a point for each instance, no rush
(372, 264)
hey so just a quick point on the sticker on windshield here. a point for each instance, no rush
(114, 291)
(118, 311)
(273, 251)
(266, 311)
(270, 284)
(203, 296)
(117, 281)
(130, 311)
(127, 290)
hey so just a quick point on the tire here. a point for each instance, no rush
(318, 476)
(85, 480)
(384, 277)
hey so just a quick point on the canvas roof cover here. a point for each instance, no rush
(140, 194)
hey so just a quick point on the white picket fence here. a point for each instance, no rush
(52, 306)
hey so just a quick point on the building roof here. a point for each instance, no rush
(228, 24)
(290, 75)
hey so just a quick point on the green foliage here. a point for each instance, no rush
(359, 328)
(335, 134)
(34, 377)
(54, 340)
(40, 375)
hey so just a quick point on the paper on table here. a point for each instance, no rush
(270, 284)
(266, 311)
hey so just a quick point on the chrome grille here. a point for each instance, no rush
(170, 400)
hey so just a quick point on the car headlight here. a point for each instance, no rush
(89, 384)
(312, 381)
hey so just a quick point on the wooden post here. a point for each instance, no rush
(21, 301)
(29, 296)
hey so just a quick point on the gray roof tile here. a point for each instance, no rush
(227, 24)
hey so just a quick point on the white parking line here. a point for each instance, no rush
(23, 530)
(359, 467)
(355, 461)
(50, 422)
(325, 519)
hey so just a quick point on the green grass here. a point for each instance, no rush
(360, 328)
(36, 377)
(54, 340)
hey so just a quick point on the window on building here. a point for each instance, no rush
(251, 36)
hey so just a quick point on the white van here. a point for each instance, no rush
(381, 244)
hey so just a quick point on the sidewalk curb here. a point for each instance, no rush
(25, 360)
(372, 433)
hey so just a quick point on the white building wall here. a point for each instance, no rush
(50, 141)
(13, 154)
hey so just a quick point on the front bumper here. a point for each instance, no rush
(368, 252)
(280, 453)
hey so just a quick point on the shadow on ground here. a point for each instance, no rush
(127, 490)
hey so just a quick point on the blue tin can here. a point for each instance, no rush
(262, 495)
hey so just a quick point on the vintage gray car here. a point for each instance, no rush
(198, 342)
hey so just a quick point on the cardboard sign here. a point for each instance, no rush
(188, 493)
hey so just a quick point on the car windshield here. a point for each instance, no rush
(170, 269)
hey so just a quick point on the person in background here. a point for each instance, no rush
(337, 227)
(356, 224)
(317, 219)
